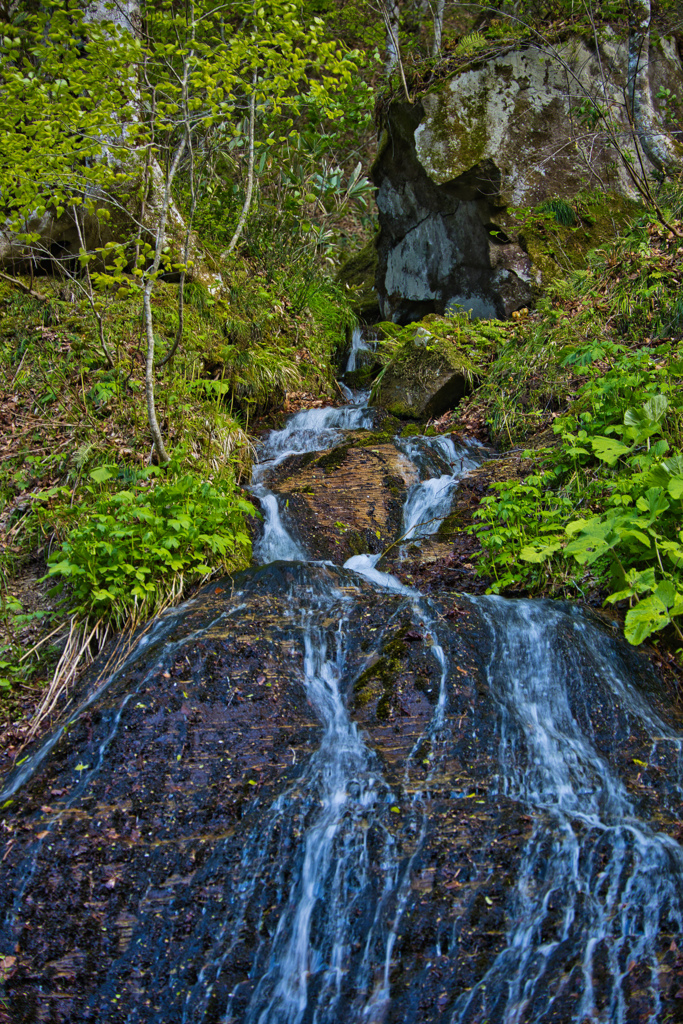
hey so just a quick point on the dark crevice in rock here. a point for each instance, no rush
(439, 245)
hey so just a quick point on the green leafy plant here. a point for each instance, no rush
(137, 546)
(607, 497)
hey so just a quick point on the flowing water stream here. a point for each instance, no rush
(495, 843)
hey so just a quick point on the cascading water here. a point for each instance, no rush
(310, 431)
(441, 466)
(359, 343)
(613, 881)
(495, 842)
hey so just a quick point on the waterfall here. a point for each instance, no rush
(499, 845)
(358, 344)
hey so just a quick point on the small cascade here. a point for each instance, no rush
(441, 465)
(359, 343)
(613, 883)
(340, 781)
(310, 430)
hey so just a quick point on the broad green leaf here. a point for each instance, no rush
(608, 449)
(577, 525)
(101, 475)
(675, 487)
(635, 418)
(655, 408)
(540, 552)
(666, 592)
(648, 616)
(636, 534)
(653, 501)
(638, 583)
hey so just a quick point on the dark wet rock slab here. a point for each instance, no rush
(148, 860)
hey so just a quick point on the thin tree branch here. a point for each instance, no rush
(24, 288)
(250, 169)
(394, 37)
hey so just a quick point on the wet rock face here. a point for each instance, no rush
(149, 861)
(345, 501)
(439, 246)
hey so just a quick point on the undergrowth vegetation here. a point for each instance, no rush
(114, 537)
(595, 375)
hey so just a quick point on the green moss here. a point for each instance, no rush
(334, 458)
(357, 278)
(356, 542)
(373, 438)
(557, 247)
(379, 679)
(468, 123)
(452, 525)
(383, 708)
(361, 378)
(360, 269)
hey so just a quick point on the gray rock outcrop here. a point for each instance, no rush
(510, 131)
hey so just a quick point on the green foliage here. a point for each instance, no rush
(133, 547)
(608, 496)
(561, 210)
(61, 105)
(471, 44)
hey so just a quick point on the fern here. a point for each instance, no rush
(470, 44)
(561, 210)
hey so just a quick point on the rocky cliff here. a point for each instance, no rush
(509, 131)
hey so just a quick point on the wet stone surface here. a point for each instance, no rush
(311, 798)
(345, 501)
(149, 860)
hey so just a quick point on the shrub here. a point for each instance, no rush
(134, 549)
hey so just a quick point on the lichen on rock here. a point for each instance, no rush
(505, 132)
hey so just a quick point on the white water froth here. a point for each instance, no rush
(594, 878)
(364, 565)
(441, 465)
(310, 430)
(276, 542)
(358, 344)
(345, 790)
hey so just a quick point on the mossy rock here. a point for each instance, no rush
(558, 234)
(357, 277)
(428, 375)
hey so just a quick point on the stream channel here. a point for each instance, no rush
(312, 794)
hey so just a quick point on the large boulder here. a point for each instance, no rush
(348, 500)
(513, 130)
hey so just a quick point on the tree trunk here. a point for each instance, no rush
(250, 171)
(149, 375)
(151, 276)
(438, 27)
(655, 143)
(391, 11)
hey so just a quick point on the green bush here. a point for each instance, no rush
(608, 496)
(133, 549)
